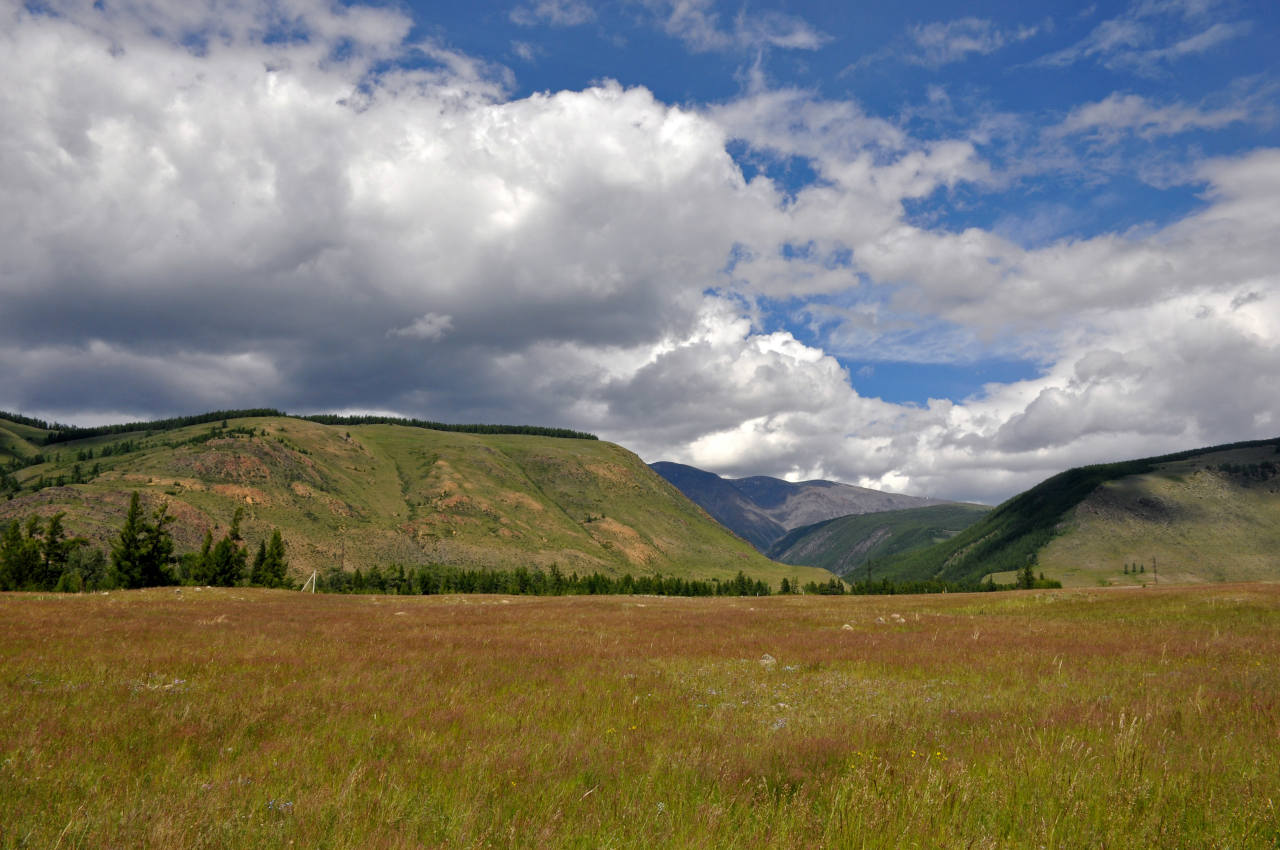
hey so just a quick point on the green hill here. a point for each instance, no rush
(19, 441)
(1210, 514)
(364, 494)
(845, 544)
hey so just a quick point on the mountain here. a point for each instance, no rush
(845, 544)
(761, 510)
(363, 494)
(1210, 514)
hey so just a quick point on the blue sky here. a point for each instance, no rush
(941, 251)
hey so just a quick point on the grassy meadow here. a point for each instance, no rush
(232, 718)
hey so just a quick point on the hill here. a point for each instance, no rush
(1210, 514)
(844, 545)
(361, 494)
(761, 509)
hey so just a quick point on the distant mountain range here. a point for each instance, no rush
(761, 510)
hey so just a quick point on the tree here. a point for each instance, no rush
(258, 572)
(126, 555)
(54, 551)
(199, 568)
(144, 549)
(1027, 575)
(87, 569)
(157, 549)
(269, 566)
(277, 568)
(228, 559)
(19, 558)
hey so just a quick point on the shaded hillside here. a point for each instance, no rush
(1214, 510)
(357, 495)
(761, 509)
(844, 545)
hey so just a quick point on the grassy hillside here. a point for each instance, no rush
(845, 544)
(358, 495)
(1085, 524)
(1207, 518)
(18, 441)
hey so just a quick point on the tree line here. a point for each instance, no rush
(528, 430)
(67, 433)
(59, 433)
(38, 555)
(429, 579)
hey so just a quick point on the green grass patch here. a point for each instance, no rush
(246, 718)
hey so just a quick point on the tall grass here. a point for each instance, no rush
(253, 718)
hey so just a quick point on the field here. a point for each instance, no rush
(1119, 717)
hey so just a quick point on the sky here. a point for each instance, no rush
(935, 249)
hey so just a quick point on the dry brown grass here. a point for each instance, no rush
(245, 718)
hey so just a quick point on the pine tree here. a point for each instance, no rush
(54, 551)
(126, 555)
(276, 567)
(1027, 575)
(144, 549)
(258, 572)
(15, 559)
(157, 549)
(229, 558)
(202, 570)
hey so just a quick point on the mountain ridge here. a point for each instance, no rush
(761, 509)
(354, 494)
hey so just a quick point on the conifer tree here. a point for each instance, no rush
(258, 572)
(126, 555)
(202, 570)
(276, 566)
(157, 549)
(144, 549)
(19, 559)
(54, 552)
(229, 558)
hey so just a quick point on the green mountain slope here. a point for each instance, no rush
(357, 495)
(1206, 514)
(845, 544)
(18, 441)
